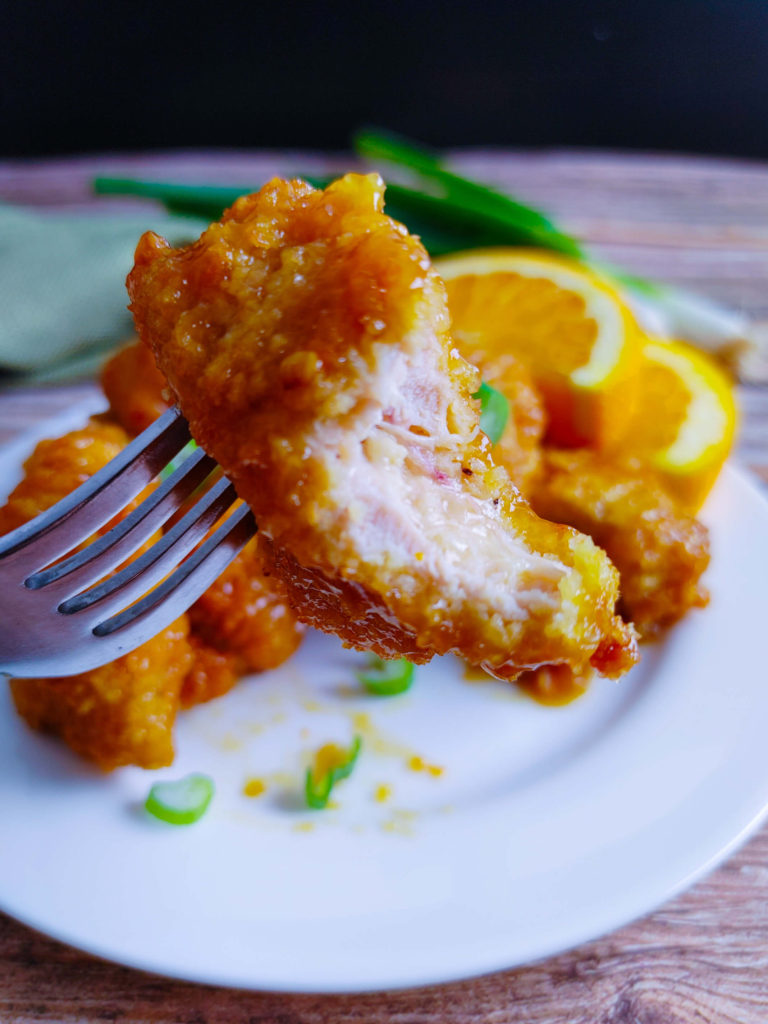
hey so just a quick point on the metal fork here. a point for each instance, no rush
(62, 613)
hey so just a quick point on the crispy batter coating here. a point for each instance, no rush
(242, 623)
(306, 337)
(659, 550)
(57, 467)
(135, 387)
(122, 713)
(212, 673)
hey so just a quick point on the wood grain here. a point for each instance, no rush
(701, 958)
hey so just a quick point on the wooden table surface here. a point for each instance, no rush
(702, 957)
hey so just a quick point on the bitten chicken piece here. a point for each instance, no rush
(306, 338)
(135, 387)
(659, 550)
(121, 713)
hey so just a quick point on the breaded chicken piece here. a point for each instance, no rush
(659, 550)
(121, 713)
(56, 467)
(242, 623)
(306, 338)
(124, 712)
(134, 387)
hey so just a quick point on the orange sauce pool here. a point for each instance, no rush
(553, 685)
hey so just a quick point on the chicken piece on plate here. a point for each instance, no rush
(124, 712)
(306, 338)
(59, 465)
(135, 387)
(121, 713)
(242, 623)
(659, 550)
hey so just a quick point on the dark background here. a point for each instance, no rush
(89, 75)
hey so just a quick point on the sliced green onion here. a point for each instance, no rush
(494, 411)
(472, 225)
(331, 764)
(452, 213)
(387, 678)
(182, 802)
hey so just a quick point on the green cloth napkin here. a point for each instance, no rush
(62, 287)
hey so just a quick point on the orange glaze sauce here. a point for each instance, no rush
(553, 685)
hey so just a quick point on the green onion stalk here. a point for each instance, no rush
(452, 213)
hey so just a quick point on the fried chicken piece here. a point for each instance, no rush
(659, 550)
(56, 467)
(135, 387)
(212, 673)
(121, 713)
(124, 712)
(242, 623)
(306, 338)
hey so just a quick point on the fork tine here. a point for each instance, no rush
(164, 604)
(92, 563)
(149, 569)
(96, 501)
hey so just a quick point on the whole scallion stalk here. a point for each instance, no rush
(452, 213)
(462, 202)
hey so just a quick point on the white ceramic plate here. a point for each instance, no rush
(547, 827)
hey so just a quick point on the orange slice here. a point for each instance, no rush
(569, 326)
(685, 420)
